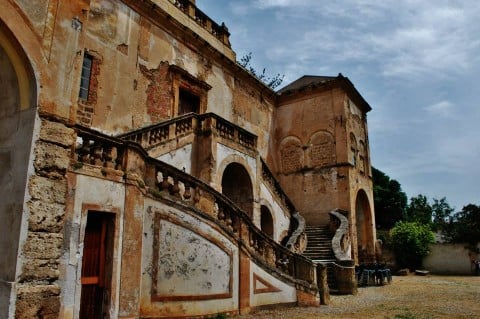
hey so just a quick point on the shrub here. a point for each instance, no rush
(410, 242)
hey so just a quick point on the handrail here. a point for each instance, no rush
(162, 180)
(341, 243)
(297, 240)
(156, 134)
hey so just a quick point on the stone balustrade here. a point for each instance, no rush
(170, 181)
(99, 151)
(341, 243)
(156, 134)
(274, 185)
(190, 123)
(165, 182)
(189, 8)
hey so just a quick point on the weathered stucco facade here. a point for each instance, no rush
(148, 175)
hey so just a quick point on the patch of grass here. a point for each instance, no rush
(409, 315)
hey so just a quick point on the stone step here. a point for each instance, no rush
(318, 254)
(320, 243)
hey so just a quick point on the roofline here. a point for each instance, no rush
(338, 82)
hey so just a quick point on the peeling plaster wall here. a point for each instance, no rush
(134, 55)
(180, 158)
(253, 111)
(99, 195)
(309, 142)
(220, 96)
(176, 263)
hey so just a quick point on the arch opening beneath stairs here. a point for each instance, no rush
(364, 226)
(266, 221)
(237, 186)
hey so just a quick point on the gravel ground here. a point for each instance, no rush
(407, 297)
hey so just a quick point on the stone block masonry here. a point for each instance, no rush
(38, 293)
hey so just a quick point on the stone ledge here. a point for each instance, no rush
(57, 133)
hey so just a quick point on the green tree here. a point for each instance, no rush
(464, 226)
(410, 242)
(441, 212)
(272, 82)
(389, 200)
(419, 210)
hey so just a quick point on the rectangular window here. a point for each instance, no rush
(188, 102)
(85, 77)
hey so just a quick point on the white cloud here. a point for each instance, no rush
(406, 39)
(264, 4)
(443, 109)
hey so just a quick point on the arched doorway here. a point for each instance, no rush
(237, 185)
(363, 214)
(266, 221)
(17, 118)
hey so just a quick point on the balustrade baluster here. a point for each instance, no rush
(96, 155)
(118, 159)
(228, 220)
(187, 194)
(84, 151)
(175, 188)
(164, 184)
(221, 214)
(110, 156)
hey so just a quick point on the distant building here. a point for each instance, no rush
(146, 174)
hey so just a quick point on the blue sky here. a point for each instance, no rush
(417, 63)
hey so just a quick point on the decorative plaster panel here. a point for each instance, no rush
(189, 265)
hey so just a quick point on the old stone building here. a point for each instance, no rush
(146, 174)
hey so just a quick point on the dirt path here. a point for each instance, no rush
(406, 298)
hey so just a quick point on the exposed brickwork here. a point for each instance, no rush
(86, 109)
(159, 92)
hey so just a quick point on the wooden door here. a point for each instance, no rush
(94, 284)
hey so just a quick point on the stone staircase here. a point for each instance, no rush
(319, 250)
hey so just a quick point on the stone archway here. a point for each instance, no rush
(364, 226)
(17, 120)
(237, 185)
(266, 221)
